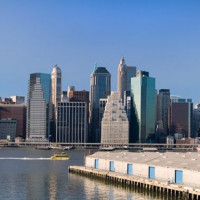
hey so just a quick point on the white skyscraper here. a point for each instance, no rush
(56, 81)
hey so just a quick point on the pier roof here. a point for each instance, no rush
(188, 160)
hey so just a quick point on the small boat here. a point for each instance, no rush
(110, 148)
(68, 147)
(57, 147)
(60, 156)
(43, 147)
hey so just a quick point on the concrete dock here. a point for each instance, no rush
(182, 192)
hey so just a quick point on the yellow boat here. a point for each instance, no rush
(60, 156)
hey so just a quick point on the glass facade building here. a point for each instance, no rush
(162, 105)
(38, 107)
(143, 93)
(100, 87)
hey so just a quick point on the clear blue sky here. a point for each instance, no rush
(159, 36)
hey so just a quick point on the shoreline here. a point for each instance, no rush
(131, 181)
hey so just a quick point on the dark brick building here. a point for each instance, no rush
(18, 112)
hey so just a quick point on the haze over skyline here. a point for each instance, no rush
(161, 37)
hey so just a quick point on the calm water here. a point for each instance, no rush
(49, 179)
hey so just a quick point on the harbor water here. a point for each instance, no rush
(26, 173)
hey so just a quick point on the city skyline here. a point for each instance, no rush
(159, 37)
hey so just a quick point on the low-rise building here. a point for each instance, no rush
(178, 168)
(8, 129)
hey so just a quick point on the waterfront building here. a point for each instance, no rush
(18, 99)
(16, 112)
(162, 106)
(180, 117)
(100, 87)
(144, 95)
(38, 107)
(168, 167)
(125, 73)
(115, 124)
(72, 122)
(8, 129)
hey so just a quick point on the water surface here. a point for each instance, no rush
(38, 179)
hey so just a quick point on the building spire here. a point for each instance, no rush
(95, 67)
(122, 61)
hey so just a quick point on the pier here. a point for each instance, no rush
(164, 188)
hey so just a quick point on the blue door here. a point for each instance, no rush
(178, 176)
(96, 164)
(151, 172)
(112, 167)
(129, 169)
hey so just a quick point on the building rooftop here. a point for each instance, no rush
(101, 70)
(188, 160)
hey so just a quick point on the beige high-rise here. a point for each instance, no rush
(125, 73)
(56, 77)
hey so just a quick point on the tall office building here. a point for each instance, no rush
(38, 107)
(163, 104)
(72, 122)
(143, 93)
(100, 87)
(180, 117)
(56, 85)
(125, 73)
(56, 88)
(115, 124)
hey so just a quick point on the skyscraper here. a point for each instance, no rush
(180, 117)
(56, 82)
(56, 87)
(38, 107)
(100, 87)
(163, 104)
(143, 93)
(72, 122)
(125, 73)
(115, 124)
